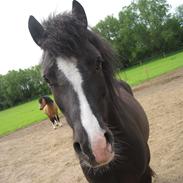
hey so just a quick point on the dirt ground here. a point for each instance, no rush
(40, 154)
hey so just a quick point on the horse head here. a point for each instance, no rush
(72, 66)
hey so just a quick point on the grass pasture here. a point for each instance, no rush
(149, 70)
(20, 116)
(26, 114)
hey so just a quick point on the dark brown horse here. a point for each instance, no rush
(50, 109)
(110, 128)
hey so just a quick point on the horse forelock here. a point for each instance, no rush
(63, 35)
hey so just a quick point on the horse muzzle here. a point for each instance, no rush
(100, 150)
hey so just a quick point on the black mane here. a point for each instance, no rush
(63, 34)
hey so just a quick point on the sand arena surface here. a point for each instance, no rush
(39, 154)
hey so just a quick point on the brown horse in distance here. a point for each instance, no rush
(51, 110)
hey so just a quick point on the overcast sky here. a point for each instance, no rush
(17, 50)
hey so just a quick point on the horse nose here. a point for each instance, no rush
(77, 147)
(102, 148)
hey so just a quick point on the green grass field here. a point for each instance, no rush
(26, 114)
(20, 116)
(146, 71)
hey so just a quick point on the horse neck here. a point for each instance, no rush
(113, 107)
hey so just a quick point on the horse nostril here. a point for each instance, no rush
(77, 147)
(108, 137)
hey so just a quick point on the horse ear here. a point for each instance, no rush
(36, 30)
(79, 12)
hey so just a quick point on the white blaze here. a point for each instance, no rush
(88, 119)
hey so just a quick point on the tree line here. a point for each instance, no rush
(143, 30)
(21, 86)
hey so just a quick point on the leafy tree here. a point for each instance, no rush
(143, 29)
(171, 35)
(179, 14)
(21, 86)
(108, 28)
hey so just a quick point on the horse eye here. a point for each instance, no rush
(98, 64)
